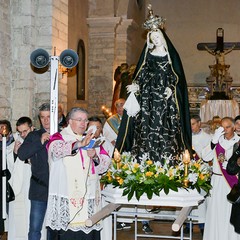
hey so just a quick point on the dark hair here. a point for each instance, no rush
(94, 119)
(23, 120)
(7, 123)
(196, 117)
(237, 118)
(44, 107)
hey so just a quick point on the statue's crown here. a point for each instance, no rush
(153, 22)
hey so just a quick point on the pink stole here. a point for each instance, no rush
(231, 179)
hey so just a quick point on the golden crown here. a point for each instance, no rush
(153, 22)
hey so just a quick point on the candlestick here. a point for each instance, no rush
(106, 111)
(117, 158)
(4, 177)
(186, 161)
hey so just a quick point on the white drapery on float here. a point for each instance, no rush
(184, 199)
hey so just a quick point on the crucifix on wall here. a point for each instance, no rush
(219, 81)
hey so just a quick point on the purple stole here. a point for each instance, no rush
(231, 179)
(196, 157)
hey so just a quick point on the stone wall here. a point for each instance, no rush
(60, 41)
(30, 29)
(5, 61)
(26, 26)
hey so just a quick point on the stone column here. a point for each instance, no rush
(123, 41)
(101, 59)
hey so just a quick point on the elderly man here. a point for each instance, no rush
(217, 225)
(74, 187)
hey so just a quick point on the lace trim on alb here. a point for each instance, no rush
(58, 216)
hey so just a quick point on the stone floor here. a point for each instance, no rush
(162, 228)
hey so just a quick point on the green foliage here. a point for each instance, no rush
(150, 177)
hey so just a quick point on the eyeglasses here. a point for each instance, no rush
(81, 120)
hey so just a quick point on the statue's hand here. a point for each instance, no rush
(167, 93)
(133, 88)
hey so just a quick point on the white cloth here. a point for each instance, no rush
(109, 133)
(131, 105)
(221, 108)
(108, 147)
(217, 225)
(106, 232)
(199, 142)
(10, 166)
(74, 188)
(19, 209)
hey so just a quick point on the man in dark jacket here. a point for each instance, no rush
(34, 148)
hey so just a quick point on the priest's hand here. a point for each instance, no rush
(86, 140)
(218, 133)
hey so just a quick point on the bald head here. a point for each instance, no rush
(228, 125)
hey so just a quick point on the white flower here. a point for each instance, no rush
(192, 177)
(144, 157)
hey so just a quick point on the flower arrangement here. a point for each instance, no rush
(151, 177)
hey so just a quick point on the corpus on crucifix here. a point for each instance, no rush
(219, 81)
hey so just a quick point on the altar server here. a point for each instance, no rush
(217, 225)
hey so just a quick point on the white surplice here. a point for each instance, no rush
(217, 224)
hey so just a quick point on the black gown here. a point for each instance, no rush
(162, 127)
(157, 125)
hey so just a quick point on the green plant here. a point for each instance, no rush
(152, 177)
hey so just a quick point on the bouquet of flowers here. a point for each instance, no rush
(151, 177)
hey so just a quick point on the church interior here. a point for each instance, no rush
(105, 34)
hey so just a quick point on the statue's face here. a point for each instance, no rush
(157, 38)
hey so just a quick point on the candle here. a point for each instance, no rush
(186, 161)
(186, 157)
(4, 178)
(117, 158)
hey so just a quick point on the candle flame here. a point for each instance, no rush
(186, 156)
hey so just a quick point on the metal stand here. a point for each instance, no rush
(54, 95)
(136, 214)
